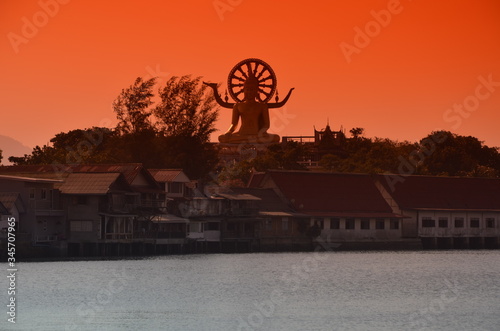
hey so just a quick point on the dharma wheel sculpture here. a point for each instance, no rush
(251, 84)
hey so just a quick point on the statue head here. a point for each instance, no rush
(251, 88)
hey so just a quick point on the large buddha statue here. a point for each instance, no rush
(252, 109)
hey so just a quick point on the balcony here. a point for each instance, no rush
(46, 207)
(107, 207)
(117, 236)
(242, 211)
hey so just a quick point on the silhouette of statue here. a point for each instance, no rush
(257, 81)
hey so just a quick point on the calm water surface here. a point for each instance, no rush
(432, 290)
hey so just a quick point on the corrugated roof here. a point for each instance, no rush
(459, 193)
(30, 178)
(329, 192)
(89, 183)
(129, 170)
(166, 175)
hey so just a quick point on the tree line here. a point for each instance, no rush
(170, 127)
(166, 128)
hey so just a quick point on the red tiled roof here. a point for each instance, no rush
(328, 192)
(270, 201)
(418, 192)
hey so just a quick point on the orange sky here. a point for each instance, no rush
(402, 83)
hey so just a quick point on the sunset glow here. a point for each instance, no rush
(399, 69)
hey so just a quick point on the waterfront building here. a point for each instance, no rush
(280, 227)
(10, 206)
(342, 210)
(174, 182)
(125, 209)
(38, 209)
(446, 212)
(223, 221)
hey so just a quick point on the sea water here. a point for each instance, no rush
(425, 290)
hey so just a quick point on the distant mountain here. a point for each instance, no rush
(12, 147)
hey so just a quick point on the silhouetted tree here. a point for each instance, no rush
(72, 147)
(195, 157)
(281, 156)
(277, 156)
(132, 107)
(236, 175)
(187, 108)
(356, 132)
(450, 154)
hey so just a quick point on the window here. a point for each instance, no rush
(349, 223)
(443, 222)
(428, 222)
(394, 224)
(459, 222)
(212, 226)
(380, 224)
(474, 222)
(43, 194)
(194, 227)
(284, 224)
(490, 222)
(319, 222)
(231, 226)
(175, 187)
(80, 226)
(365, 224)
(32, 193)
(269, 224)
(334, 223)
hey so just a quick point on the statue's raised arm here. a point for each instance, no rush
(251, 83)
